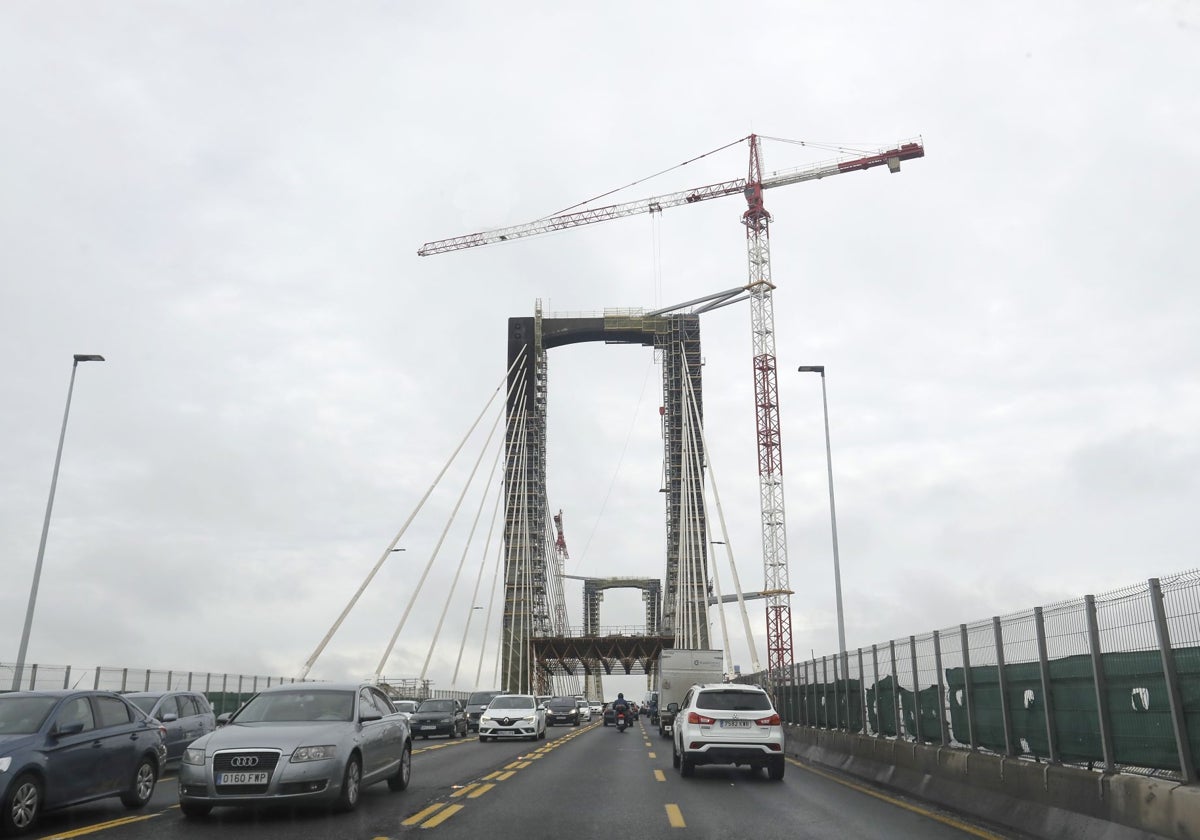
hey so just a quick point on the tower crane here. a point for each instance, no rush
(757, 221)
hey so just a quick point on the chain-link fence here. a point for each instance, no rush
(1109, 681)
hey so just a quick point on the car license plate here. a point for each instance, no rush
(242, 778)
(735, 724)
(429, 727)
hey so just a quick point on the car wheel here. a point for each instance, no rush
(686, 766)
(404, 773)
(144, 779)
(351, 784)
(194, 809)
(674, 755)
(483, 739)
(22, 806)
(775, 770)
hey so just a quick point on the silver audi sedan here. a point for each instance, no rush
(303, 742)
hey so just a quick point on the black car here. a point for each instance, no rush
(439, 716)
(476, 703)
(562, 710)
(64, 747)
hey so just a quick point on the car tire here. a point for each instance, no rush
(483, 739)
(145, 777)
(403, 772)
(22, 805)
(195, 810)
(686, 767)
(351, 786)
(674, 755)
(775, 769)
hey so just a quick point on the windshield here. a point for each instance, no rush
(561, 703)
(733, 701)
(481, 698)
(291, 706)
(405, 705)
(436, 706)
(143, 703)
(24, 715)
(512, 701)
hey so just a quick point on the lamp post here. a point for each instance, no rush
(837, 570)
(37, 569)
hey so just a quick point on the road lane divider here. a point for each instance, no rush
(675, 816)
(659, 776)
(438, 812)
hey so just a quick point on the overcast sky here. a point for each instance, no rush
(225, 200)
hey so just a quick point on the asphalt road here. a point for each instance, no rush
(584, 782)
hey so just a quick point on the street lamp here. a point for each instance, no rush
(837, 570)
(37, 569)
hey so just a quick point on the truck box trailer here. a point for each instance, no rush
(678, 670)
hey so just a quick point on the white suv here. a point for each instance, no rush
(727, 723)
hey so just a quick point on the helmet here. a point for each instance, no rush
(620, 696)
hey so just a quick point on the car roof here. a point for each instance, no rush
(59, 692)
(317, 686)
(730, 687)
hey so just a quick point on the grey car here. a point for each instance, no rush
(186, 715)
(303, 742)
(60, 748)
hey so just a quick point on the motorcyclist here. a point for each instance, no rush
(621, 706)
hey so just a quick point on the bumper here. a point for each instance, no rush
(732, 753)
(519, 729)
(310, 781)
(565, 720)
(425, 729)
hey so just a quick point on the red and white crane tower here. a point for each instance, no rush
(762, 323)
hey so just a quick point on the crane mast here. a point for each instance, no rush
(766, 408)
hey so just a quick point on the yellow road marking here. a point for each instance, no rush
(658, 774)
(463, 791)
(512, 766)
(675, 817)
(420, 815)
(521, 765)
(480, 791)
(448, 812)
(507, 775)
(950, 821)
(495, 775)
(79, 832)
(652, 755)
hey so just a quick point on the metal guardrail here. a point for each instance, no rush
(1109, 681)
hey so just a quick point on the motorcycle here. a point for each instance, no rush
(620, 721)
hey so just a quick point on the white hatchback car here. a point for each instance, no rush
(513, 716)
(727, 723)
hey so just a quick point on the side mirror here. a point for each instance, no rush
(367, 717)
(672, 707)
(223, 718)
(67, 729)
(170, 717)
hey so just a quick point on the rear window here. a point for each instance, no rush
(566, 703)
(723, 700)
(482, 698)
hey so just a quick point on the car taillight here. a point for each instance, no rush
(773, 720)
(701, 719)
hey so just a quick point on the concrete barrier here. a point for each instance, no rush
(1041, 799)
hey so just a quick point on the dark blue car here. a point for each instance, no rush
(60, 748)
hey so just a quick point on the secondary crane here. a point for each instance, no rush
(757, 221)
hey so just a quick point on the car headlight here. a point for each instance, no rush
(193, 756)
(313, 753)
